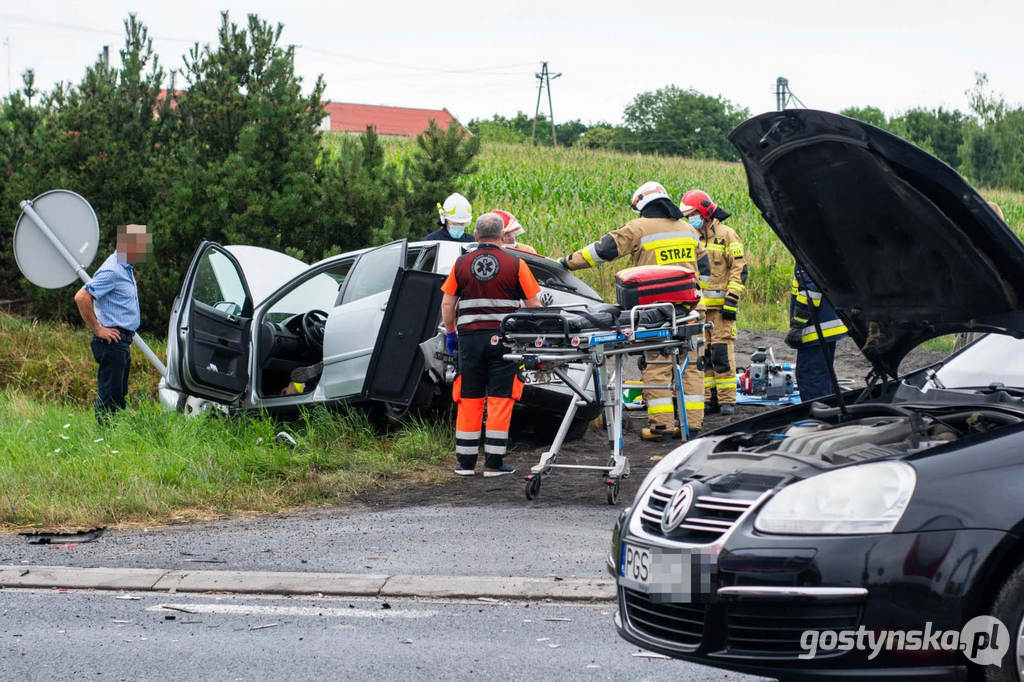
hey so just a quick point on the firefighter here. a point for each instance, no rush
(483, 287)
(813, 359)
(720, 296)
(658, 237)
(456, 214)
(511, 232)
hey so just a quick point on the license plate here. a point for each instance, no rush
(534, 377)
(655, 570)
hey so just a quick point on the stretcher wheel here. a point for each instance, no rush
(613, 490)
(532, 486)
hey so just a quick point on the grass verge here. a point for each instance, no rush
(60, 468)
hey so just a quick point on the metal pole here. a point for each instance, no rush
(551, 109)
(26, 206)
(540, 89)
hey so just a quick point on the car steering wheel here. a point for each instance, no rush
(313, 328)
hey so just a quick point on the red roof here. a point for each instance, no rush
(386, 120)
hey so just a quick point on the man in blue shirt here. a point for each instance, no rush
(109, 305)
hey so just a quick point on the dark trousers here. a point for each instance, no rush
(812, 370)
(115, 361)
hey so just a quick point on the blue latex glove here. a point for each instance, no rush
(451, 342)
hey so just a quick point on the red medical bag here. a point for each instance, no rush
(657, 284)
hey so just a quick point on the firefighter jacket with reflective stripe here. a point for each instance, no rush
(489, 283)
(650, 241)
(728, 267)
(805, 292)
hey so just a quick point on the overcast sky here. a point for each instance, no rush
(479, 58)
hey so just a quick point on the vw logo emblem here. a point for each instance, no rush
(677, 508)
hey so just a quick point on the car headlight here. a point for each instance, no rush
(667, 465)
(867, 498)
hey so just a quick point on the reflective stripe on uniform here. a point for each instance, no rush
(494, 449)
(466, 449)
(709, 381)
(468, 319)
(591, 256)
(496, 434)
(725, 383)
(467, 435)
(736, 286)
(830, 328)
(486, 303)
(715, 247)
(713, 297)
(660, 405)
(654, 241)
(693, 402)
(736, 250)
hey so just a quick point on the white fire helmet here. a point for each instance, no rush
(646, 193)
(456, 209)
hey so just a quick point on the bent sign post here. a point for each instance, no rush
(52, 228)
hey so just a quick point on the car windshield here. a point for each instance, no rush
(996, 358)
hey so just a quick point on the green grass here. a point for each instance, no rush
(60, 468)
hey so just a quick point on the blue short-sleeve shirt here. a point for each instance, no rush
(116, 296)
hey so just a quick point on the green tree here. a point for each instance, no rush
(671, 120)
(938, 131)
(871, 115)
(439, 166)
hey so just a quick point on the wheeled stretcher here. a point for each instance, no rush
(549, 341)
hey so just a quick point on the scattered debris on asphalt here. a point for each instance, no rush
(543, 639)
(176, 608)
(554, 646)
(405, 641)
(127, 597)
(122, 622)
(650, 654)
(48, 537)
(489, 600)
(558, 620)
(264, 627)
(24, 573)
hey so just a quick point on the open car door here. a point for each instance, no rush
(411, 317)
(213, 326)
(352, 325)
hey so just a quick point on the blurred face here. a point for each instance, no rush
(507, 239)
(134, 243)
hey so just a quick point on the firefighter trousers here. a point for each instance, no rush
(661, 403)
(484, 380)
(719, 359)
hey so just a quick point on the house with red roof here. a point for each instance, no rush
(400, 121)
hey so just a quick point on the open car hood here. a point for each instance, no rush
(901, 245)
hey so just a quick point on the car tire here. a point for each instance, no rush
(1008, 607)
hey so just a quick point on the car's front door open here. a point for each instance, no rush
(214, 326)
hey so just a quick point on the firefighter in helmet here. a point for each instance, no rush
(720, 296)
(511, 232)
(456, 214)
(658, 236)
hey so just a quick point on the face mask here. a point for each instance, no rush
(696, 221)
(456, 232)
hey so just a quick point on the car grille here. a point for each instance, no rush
(773, 630)
(677, 623)
(709, 518)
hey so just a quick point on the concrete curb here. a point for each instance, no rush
(342, 584)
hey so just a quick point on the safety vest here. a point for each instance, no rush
(489, 282)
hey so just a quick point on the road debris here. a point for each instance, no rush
(554, 646)
(122, 622)
(24, 573)
(650, 654)
(405, 641)
(50, 537)
(543, 639)
(489, 600)
(264, 627)
(558, 620)
(176, 608)
(127, 597)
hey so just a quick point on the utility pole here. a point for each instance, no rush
(544, 81)
(784, 96)
(105, 55)
(7, 42)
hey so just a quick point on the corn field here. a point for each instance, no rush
(568, 197)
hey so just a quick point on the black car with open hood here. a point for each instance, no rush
(901, 245)
(881, 537)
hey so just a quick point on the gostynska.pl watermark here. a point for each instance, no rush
(983, 640)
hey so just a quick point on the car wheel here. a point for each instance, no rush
(1009, 609)
(422, 400)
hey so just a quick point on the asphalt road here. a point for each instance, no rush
(497, 540)
(47, 635)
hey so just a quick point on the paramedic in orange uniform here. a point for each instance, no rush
(483, 287)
